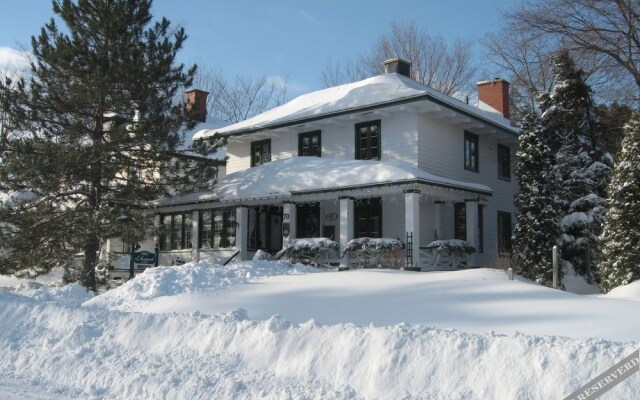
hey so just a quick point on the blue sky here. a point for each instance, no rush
(290, 39)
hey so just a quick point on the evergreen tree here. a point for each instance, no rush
(91, 134)
(581, 166)
(538, 228)
(621, 235)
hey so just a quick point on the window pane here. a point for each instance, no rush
(368, 140)
(470, 151)
(176, 232)
(460, 221)
(228, 238)
(187, 229)
(217, 228)
(165, 240)
(205, 229)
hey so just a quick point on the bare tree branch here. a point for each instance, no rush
(445, 67)
(242, 97)
(606, 30)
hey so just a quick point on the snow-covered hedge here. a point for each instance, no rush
(375, 252)
(305, 250)
(451, 247)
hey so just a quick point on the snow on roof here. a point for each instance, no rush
(210, 124)
(282, 178)
(379, 90)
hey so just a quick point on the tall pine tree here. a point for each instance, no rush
(91, 134)
(621, 254)
(538, 228)
(581, 166)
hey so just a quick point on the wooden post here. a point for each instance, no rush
(555, 267)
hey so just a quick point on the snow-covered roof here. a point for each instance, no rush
(210, 124)
(379, 91)
(302, 175)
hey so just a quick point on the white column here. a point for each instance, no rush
(195, 236)
(438, 214)
(472, 229)
(346, 225)
(242, 219)
(289, 223)
(412, 221)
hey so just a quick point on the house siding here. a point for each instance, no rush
(441, 151)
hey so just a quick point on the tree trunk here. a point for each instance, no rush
(91, 248)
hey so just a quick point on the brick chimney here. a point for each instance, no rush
(397, 66)
(197, 101)
(495, 93)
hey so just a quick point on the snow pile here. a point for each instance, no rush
(72, 293)
(630, 291)
(95, 353)
(576, 283)
(190, 277)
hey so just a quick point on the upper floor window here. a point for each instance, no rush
(504, 162)
(470, 151)
(260, 152)
(309, 144)
(368, 140)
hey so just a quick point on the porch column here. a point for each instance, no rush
(346, 225)
(412, 221)
(472, 229)
(195, 236)
(242, 221)
(289, 223)
(438, 214)
(157, 222)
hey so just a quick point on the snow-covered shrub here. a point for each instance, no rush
(306, 250)
(451, 247)
(375, 252)
(262, 256)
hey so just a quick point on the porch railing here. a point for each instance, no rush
(433, 261)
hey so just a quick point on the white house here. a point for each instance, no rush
(382, 157)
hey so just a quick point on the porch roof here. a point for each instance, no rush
(316, 177)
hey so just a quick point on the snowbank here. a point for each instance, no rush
(170, 281)
(95, 353)
(627, 292)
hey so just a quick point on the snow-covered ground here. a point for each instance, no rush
(264, 330)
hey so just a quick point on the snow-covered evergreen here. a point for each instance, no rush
(538, 228)
(580, 166)
(620, 252)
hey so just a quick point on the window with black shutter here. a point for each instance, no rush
(504, 162)
(460, 221)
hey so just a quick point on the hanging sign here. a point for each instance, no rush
(144, 257)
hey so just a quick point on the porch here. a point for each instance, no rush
(305, 197)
